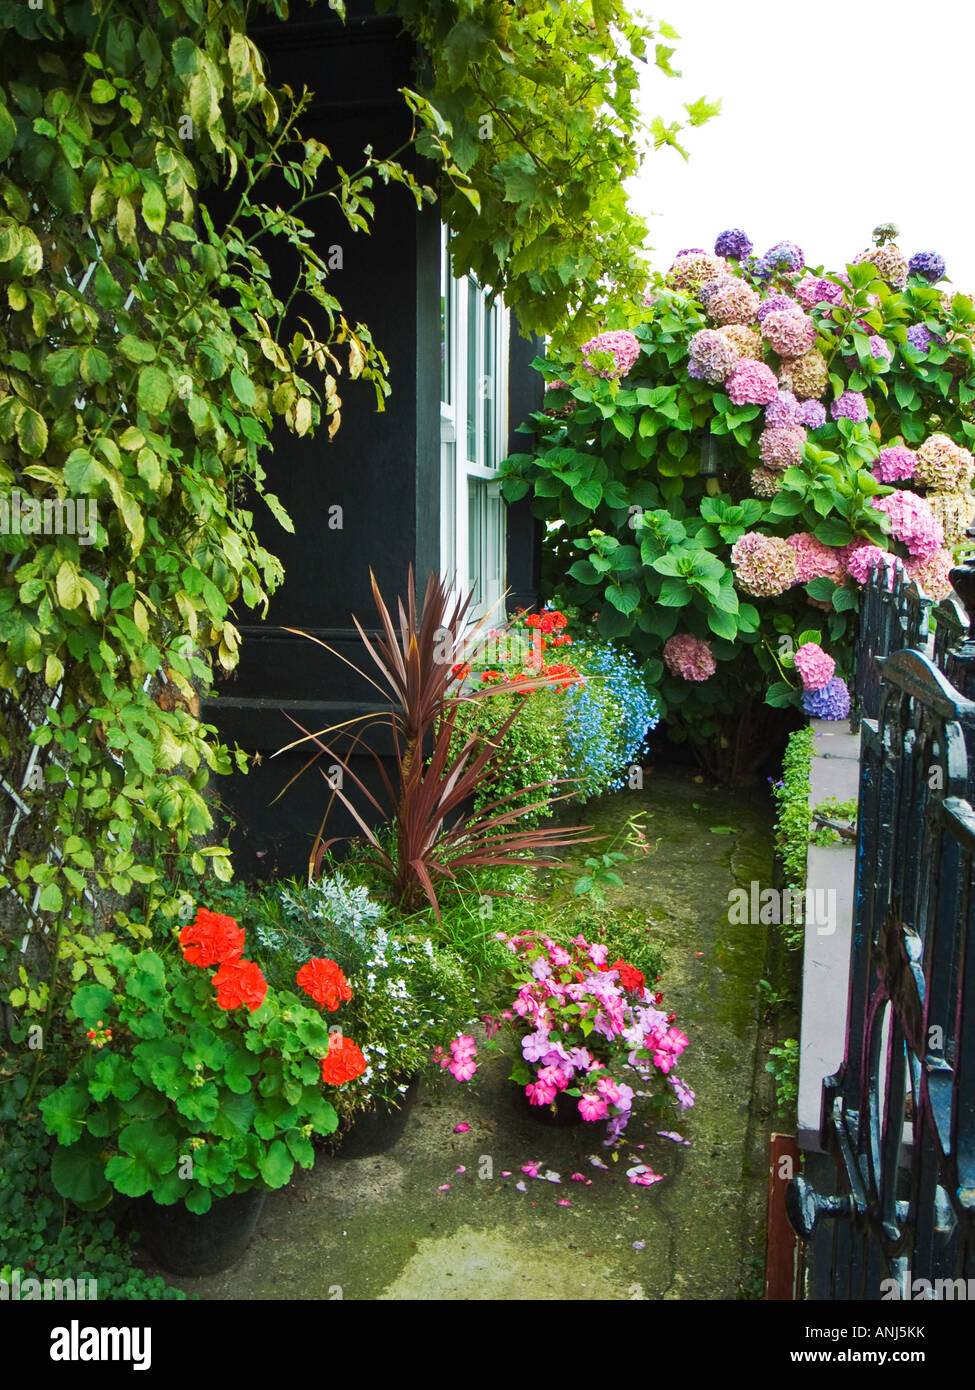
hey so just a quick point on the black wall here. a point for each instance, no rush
(382, 468)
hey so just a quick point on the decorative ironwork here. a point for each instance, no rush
(899, 1114)
(893, 616)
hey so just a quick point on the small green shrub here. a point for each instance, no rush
(791, 794)
(784, 1067)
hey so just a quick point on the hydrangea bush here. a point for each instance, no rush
(781, 432)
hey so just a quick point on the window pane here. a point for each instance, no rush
(445, 318)
(488, 383)
(475, 537)
(473, 394)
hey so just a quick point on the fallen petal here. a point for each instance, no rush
(462, 1128)
(444, 1187)
(505, 1173)
(521, 1186)
(578, 1177)
(564, 1202)
(597, 1162)
(639, 1245)
(461, 1169)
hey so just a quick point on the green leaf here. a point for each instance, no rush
(588, 494)
(78, 1172)
(63, 1110)
(8, 132)
(243, 387)
(780, 694)
(833, 531)
(90, 1003)
(136, 349)
(32, 432)
(153, 207)
(153, 392)
(102, 91)
(276, 1166)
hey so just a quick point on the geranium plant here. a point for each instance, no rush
(209, 1081)
(405, 989)
(581, 1026)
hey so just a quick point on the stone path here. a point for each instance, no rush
(382, 1228)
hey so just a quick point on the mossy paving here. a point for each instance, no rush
(381, 1228)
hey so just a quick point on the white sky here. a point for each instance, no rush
(835, 116)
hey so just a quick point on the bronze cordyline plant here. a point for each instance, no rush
(437, 771)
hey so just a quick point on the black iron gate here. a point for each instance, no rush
(899, 1115)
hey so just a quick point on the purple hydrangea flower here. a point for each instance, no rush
(691, 251)
(733, 243)
(832, 702)
(920, 337)
(852, 405)
(812, 414)
(927, 264)
(784, 255)
(773, 303)
(782, 412)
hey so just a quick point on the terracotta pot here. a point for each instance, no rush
(185, 1242)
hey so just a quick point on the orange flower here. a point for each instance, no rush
(211, 939)
(324, 981)
(344, 1061)
(240, 983)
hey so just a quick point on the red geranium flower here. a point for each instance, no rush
(240, 982)
(324, 981)
(630, 977)
(211, 939)
(344, 1061)
(462, 670)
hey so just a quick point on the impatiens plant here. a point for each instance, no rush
(783, 431)
(206, 1084)
(583, 1028)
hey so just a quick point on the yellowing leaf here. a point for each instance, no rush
(68, 585)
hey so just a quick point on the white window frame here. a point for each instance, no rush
(459, 567)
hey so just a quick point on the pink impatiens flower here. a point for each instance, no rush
(592, 1107)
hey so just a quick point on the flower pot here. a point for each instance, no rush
(376, 1131)
(566, 1110)
(187, 1243)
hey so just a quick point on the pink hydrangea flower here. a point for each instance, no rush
(764, 565)
(894, 465)
(789, 332)
(932, 574)
(752, 383)
(912, 522)
(815, 667)
(734, 302)
(782, 448)
(689, 657)
(622, 344)
(814, 560)
(943, 465)
(861, 557)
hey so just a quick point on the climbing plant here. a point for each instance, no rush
(147, 168)
(541, 103)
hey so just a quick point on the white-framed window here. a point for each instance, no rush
(473, 438)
